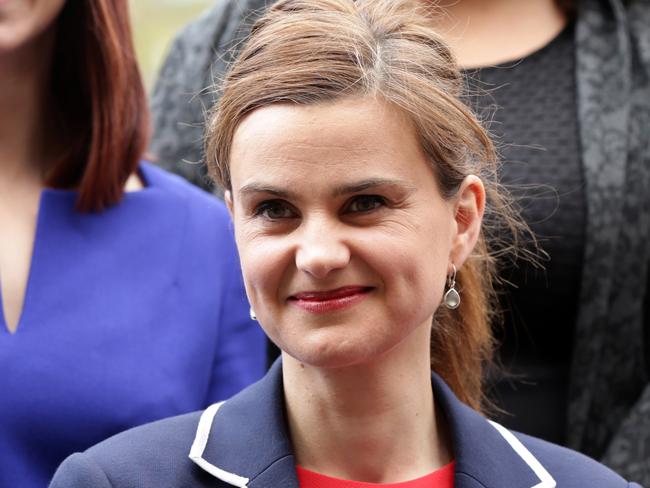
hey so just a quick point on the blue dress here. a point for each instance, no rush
(130, 315)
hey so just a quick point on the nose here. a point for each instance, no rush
(321, 250)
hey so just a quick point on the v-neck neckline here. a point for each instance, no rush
(37, 244)
(30, 272)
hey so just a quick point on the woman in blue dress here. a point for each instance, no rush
(113, 313)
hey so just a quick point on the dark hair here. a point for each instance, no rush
(569, 7)
(100, 102)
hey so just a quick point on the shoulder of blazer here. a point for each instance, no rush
(489, 455)
(153, 454)
(569, 468)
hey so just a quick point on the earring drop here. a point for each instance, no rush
(251, 312)
(452, 297)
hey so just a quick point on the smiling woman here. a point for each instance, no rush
(372, 238)
(358, 185)
(412, 120)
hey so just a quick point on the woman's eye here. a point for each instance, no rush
(365, 203)
(275, 210)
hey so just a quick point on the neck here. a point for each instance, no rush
(488, 32)
(24, 114)
(383, 410)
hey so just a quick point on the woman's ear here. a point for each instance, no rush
(227, 197)
(469, 207)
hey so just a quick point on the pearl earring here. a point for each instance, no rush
(452, 297)
(251, 312)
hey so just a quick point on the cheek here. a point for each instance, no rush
(417, 280)
(413, 268)
(264, 263)
(26, 22)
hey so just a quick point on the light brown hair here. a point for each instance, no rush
(312, 51)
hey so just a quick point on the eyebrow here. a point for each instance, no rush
(347, 189)
(258, 188)
(371, 183)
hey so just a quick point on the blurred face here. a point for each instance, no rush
(23, 21)
(344, 237)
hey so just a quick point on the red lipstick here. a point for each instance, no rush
(330, 300)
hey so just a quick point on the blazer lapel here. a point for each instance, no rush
(486, 453)
(244, 442)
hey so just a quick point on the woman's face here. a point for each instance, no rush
(344, 238)
(22, 21)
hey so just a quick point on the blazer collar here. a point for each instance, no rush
(485, 451)
(244, 440)
(245, 443)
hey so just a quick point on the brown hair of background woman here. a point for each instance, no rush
(100, 102)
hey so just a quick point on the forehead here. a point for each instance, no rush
(349, 138)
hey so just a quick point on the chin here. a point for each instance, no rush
(336, 352)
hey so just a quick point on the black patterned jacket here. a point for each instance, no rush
(609, 400)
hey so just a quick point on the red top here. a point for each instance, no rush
(442, 478)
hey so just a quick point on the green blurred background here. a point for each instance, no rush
(154, 23)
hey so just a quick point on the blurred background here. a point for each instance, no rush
(155, 22)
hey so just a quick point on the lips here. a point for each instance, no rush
(330, 300)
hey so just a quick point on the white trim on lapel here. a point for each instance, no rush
(201, 441)
(545, 479)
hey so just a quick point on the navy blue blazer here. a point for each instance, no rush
(244, 442)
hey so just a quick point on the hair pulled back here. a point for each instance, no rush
(312, 51)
